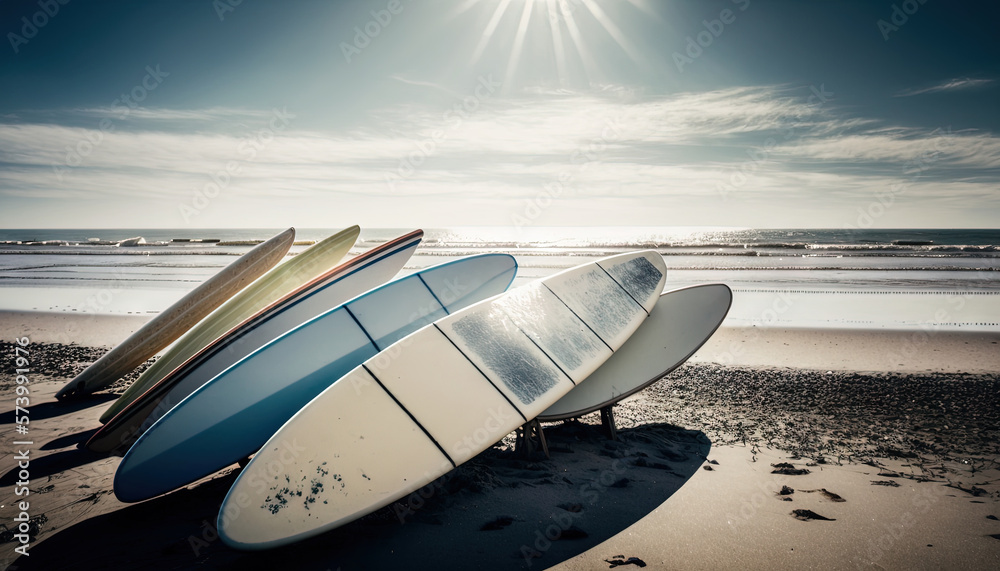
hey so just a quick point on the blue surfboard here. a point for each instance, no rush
(231, 416)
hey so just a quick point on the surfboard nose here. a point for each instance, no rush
(642, 275)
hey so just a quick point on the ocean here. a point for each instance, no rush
(929, 279)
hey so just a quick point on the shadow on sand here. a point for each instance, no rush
(53, 464)
(54, 408)
(499, 511)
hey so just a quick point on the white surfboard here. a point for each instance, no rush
(354, 277)
(682, 321)
(232, 415)
(435, 399)
(274, 285)
(172, 322)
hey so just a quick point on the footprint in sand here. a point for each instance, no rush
(827, 494)
(786, 469)
(619, 560)
(499, 523)
(806, 515)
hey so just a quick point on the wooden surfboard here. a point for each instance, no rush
(354, 277)
(274, 285)
(172, 322)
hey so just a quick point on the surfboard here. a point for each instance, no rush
(435, 399)
(682, 321)
(352, 278)
(172, 322)
(274, 285)
(232, 415)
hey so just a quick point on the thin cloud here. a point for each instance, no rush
(906, 147)
(575, 149)
(429, 84)
(957, 84)
(163, 114)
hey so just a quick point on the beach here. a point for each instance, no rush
(761, 252)
(884, 442)
(758, 241)
(857, 372)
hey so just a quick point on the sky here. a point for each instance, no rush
(409, 113)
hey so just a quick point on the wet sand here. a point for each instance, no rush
(689, 484)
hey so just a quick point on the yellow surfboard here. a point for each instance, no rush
(271, 287)
(179, 317)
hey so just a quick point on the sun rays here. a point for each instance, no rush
(565, 27)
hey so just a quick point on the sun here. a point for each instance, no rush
(561, 21)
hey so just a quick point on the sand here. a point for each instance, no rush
(827, 349)
(71, 328)
(916, 350)
(911, 448)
